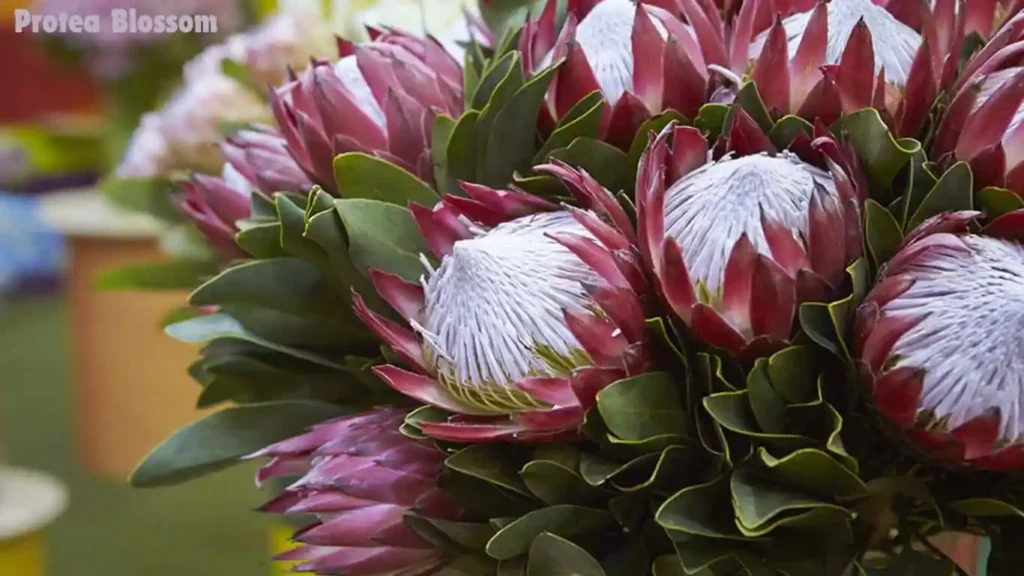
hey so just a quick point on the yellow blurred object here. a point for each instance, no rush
(281, 542)
(29, 503)
(131, 382)
(23, 556)
(7, 8)
(60, 145)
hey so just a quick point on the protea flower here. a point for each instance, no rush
(939, 340)
(360, 476)
(380, 99)
(640, 57)
(738, 242)
(532, 310)
(257, 159)
(846, 55)
(983, 123)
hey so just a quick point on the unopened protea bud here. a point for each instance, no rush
(257, 159)
(533, 309)
(939, 340)
(380, 99)
(739, 242)
(359, 476)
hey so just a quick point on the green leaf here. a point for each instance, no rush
(359, 175)
(792, 375)
(566, 521)
(262, 241)
(733, 412)
(986, 507)
(551, 555)
(166, 275)
(185, 242)
(643, 407)
(444, 126)
(500, 80)
(383, 236)
(749, 99)
(178, 315)
(767, 406)
(488, 462)
(881, 155)
(759, 504)
(468, 565)
(700, 510)
(288, 285)
(207, 328)
(512, 143)
(554, 484)
(815, 471)
(291, 211)
(997, 201)
(461, 153)
(711, 120)
(952, 192)
(467, 536)
(786, 130)
(606, 163)
(220, 440)
(882, 232)
(582, 121)
(668, 565)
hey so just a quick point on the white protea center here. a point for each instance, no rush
(347, 70)
(970, 338)
(606, 37)
(709, 210)
(895, 43)
(494, 310)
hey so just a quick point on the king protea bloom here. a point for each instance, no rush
(257, 159)
(380, 98)
(640, 57)
(737, 243)
(939, 340)
(847, 55)
(984, 124)
(533, 309)
(360, 476)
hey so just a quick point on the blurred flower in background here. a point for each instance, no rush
(110, 55)
(223, 87)
(445, 19)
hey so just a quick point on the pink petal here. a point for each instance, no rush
(402, 340)
(746, 137)
(594, 255)
(715, 330)
(601, 339)
(689, 151)
(471, 432)
(588, 381)
(553, 390)
(886, 333)
(628, 114)
(979, 436)
(424, 389)
(675, 280)
(771, 70)
(855, 76)
(575, 80)
(405, 297)
(897, 394)
(810, 56)
(772, 311)
(822, 102)
(684, 85)
(650, 198)
(1009, 226)
(341, 113)
(648, 56)
(439, 227)
(557, 419)
(987, 124)
(785, 248)
(736, 284)
(710, 42)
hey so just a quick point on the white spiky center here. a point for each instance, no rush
(498, 298)
(347, 70)
(606, 37)
(894, 43)
(970, 341)
(708, 210)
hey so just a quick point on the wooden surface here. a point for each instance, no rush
(131, 385)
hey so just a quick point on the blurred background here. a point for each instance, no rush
(93, 128)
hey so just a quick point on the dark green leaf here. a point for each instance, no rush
(882, 232)
(582, 121)
(148, 196)
(786, 130)
(815, 471)
(551, 555)
(444, 126)
(881, 155)
(668, 565)
(566, 521)
(489, 462)
(700, 510)
(461, 153)
(643, 135)
(606, 163)
(262, 241)
(643, 407)
(219, 440)
(953, 192)
(749, 98)
(359, 175)
(768, 407)
(383, 236)
(762, 506)
(997, 201)
(554, 483)
(167, 275)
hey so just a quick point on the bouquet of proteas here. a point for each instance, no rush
(678, 287)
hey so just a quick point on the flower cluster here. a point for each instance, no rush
(666, 287)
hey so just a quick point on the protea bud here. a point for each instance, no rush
(640, 57)
(257, 159)
(738, 242)
(360, 476)
(939, 340)
(533, 309)
(846, 55)
(380, 99)
(983, 123)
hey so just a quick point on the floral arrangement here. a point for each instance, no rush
(678, 287)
